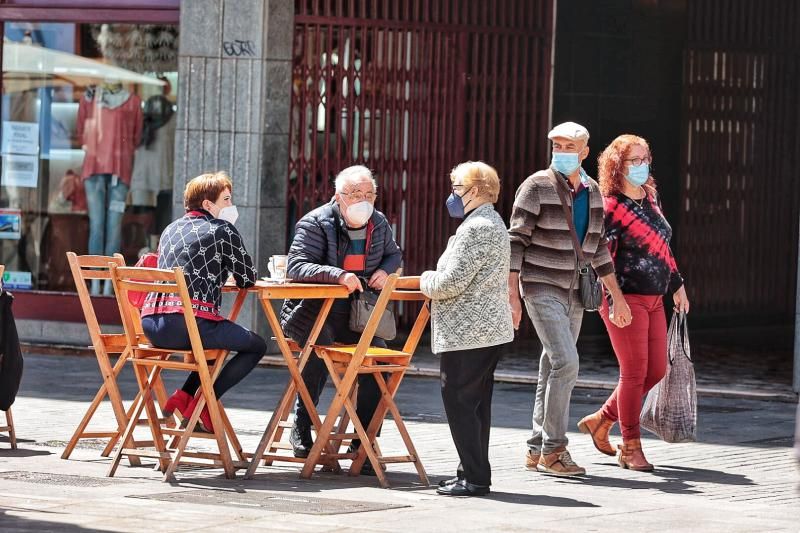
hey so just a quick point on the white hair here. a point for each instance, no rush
(354, 174)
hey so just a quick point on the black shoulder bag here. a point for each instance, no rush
(361, 307)
(590, 289)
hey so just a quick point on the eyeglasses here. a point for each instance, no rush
(457, 186)
(358, 196)
(636, 161)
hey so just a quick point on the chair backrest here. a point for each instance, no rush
(86, 267)
(375, 318)
(407, 289)
(160, 281)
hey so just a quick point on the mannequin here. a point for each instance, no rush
(153, 163)
(109, 125)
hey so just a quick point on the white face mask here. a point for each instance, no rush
(229, 214)
(358, 214)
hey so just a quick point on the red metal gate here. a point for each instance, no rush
(410, 89)
(740, 195)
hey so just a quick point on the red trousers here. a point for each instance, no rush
(641, 350)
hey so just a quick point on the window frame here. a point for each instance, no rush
(65, 306)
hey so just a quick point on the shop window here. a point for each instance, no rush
(87, 144)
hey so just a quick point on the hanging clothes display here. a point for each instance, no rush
(154, 158)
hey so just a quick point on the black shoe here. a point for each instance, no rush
(463, 488)
(366, 469)
(300, 439)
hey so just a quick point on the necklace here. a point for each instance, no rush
(640, 201)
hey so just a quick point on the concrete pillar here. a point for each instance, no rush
(233, 114)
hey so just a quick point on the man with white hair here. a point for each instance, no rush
(339, 242)
(543, 268)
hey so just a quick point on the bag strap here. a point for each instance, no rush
(562, 195)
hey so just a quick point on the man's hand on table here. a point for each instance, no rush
(378, 280)
(351, 281)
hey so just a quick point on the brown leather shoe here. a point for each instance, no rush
(531, 460)
(631, 456)
(598, 427)
(559, 463)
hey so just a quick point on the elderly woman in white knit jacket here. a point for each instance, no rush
(471, 320)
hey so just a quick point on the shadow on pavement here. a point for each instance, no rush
(682, 473)
(23, 452)
(21, 524)
(537, 499)
(291, 482)
(668, 486)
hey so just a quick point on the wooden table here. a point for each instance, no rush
(266, 291)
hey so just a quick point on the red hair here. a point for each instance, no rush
(611, 164)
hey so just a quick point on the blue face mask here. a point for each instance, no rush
(565, 162)
(638, 176)
(455, 205)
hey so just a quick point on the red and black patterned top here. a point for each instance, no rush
(638, 238)
(209, 250)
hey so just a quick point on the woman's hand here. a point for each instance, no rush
(516, 310)
(681, 301)
(620, 313)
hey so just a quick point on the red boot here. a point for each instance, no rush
(179, 400)
(204, 424)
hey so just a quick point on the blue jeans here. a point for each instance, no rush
(315, 373)
(169, 331)
(106, 202)
(557, 325)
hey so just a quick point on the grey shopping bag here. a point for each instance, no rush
(670, 409)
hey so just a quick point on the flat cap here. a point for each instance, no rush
(569, 130)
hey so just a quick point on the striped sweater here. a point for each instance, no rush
(541, 245)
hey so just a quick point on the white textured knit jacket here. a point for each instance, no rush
(469, 290)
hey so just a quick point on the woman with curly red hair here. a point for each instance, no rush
(638, 236)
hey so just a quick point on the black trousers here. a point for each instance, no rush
(467, 378)
(315, 373)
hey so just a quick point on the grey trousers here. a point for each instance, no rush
(557, 327)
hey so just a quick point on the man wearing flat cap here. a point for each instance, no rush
(544, 276)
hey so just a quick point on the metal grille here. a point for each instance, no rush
(272, 501)
(410, 89)
(739, 216)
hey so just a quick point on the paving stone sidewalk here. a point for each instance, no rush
(740, 476)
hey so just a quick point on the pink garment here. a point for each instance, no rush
(109, 136)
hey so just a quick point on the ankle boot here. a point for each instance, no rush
(631, 456)
(179, 400)
(204, 424)
(598, 427)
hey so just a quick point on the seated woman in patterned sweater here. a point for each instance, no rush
(207, 245)
(638, 237)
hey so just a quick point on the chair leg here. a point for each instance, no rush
(366, 445)
(138, 406)
(388, 400)
(12, 436)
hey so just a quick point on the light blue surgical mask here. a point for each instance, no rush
(638, 176)
(565, 162)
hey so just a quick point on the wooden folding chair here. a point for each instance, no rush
(90, 267)
(148, 362)
(9, 428)
(346, 363)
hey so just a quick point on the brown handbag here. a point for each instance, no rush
(590, 289)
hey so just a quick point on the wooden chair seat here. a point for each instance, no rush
(344, 354)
